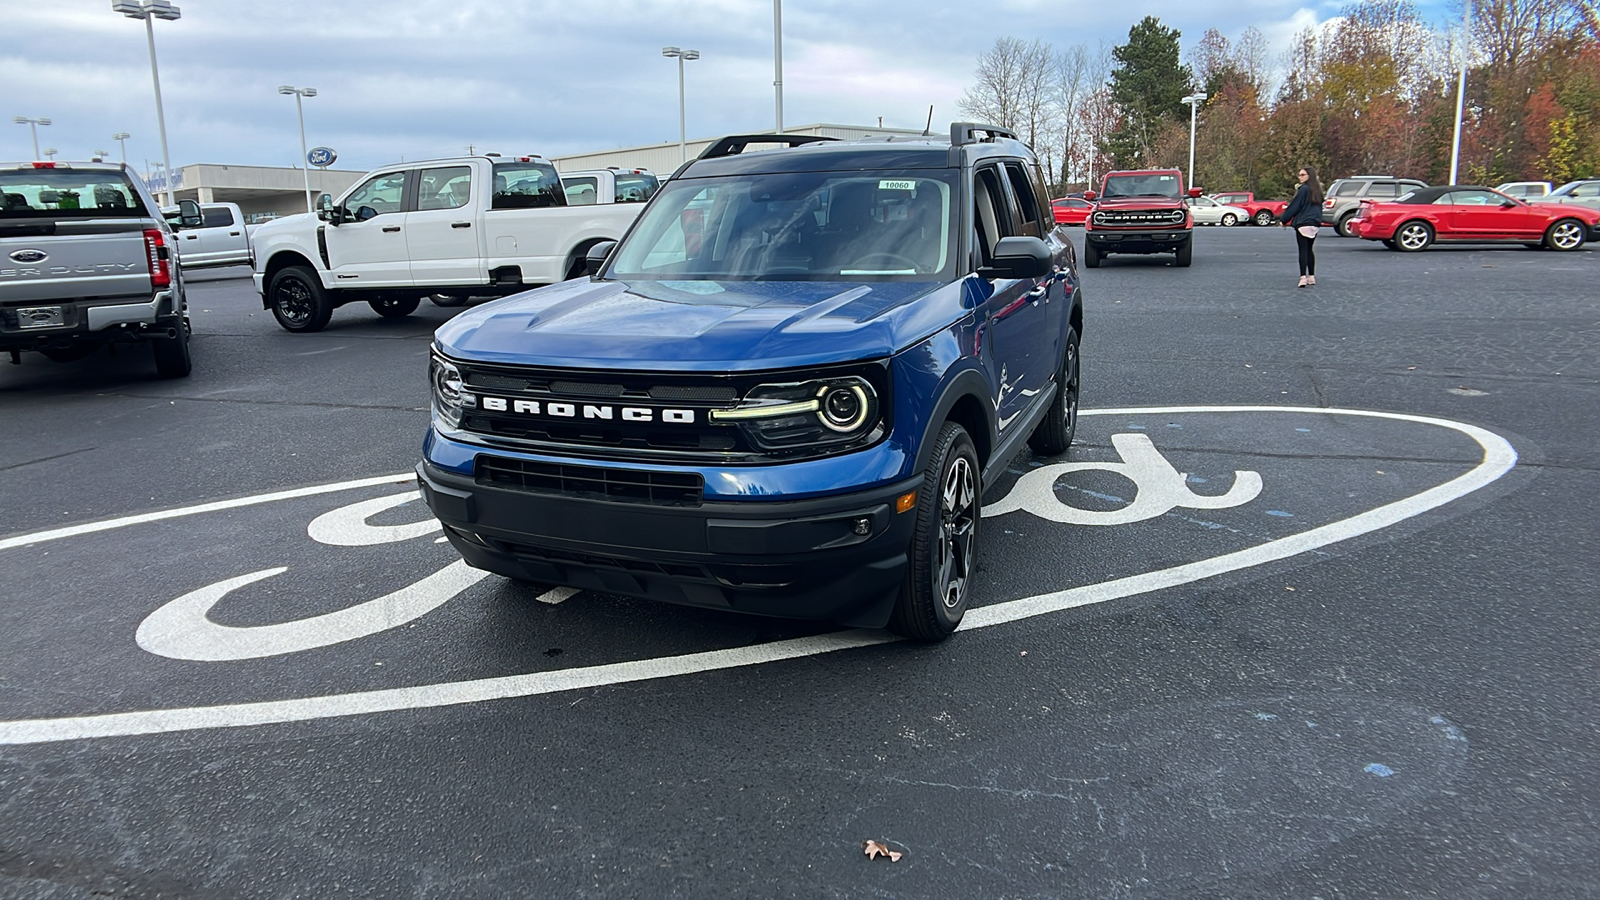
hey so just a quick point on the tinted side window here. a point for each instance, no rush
(1344, 189)
(1026, 211)
(215, 217)
(528, 184)
(1587, 189)
(381, 194)
(1383, 189)
(447, 187)
(991, 216)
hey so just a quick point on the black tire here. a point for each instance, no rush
(1264, 217)
(1413, 236)
(1185, 254)
(394, 307)
(1091, 254)
(298, 301)
(1342, 227)
(448, 301)
(939, 580)
(172, 354)
(1054, 433)
(1565, 234)
(1229, 220)
(1534, 246)
(1390, 244)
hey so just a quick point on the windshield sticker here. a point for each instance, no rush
(897, 185)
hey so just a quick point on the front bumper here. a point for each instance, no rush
(1164, 240)
(791, 558)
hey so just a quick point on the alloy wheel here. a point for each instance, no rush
(294, 302)
(958, 517)
(1413, 237)
(1566, 235)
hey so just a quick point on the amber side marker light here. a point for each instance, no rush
(905, 502)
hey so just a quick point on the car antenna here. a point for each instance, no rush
(927, 131)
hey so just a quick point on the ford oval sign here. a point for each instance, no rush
(29, 256)
(321, 157)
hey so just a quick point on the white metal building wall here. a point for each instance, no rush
(662, 159)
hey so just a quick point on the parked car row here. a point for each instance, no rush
(1468, 213)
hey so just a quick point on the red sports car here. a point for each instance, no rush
(1071, 210)
(1469, 214)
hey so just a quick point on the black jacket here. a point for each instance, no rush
(1302, 210)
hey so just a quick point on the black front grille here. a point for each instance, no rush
(1152, 217)
(595, 561)
(593, 482)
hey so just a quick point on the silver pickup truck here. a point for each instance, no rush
(86, 260)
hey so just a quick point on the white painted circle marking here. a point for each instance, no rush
(1499, 457)
(347, 526)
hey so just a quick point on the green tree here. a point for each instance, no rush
(1148, 85)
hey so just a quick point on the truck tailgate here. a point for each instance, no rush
(83, 259)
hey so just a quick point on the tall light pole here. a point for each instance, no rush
(1461, 87)
(149, 11)
(305, 164)
(777, 57)
(683, 136)
(121, 138)
(1194, 100)
(33, 126)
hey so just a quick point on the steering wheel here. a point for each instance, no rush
(896, 260)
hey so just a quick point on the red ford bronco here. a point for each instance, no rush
(1139, 212)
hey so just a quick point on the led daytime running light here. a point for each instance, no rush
(764, 412)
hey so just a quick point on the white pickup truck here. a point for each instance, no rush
(480, 226)
(221, 240)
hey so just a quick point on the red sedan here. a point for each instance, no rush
(1464, 213)
(1071, 210)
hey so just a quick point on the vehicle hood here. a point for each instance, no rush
(1138, 203)
(296, 222)
(701, 325)
(1567, 207)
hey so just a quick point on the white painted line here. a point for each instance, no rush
(39, 537)
(556, 595)
(1498, 458)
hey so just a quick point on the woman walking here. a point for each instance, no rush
(1304, 215)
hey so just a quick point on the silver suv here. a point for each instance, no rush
(1343, 198)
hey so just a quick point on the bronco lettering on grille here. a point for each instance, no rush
(604, 412)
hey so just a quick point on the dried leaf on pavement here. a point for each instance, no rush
(875, 849)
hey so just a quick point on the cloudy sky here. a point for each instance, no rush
(421, 78)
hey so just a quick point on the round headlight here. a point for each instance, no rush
(843, 407)
(447, 381)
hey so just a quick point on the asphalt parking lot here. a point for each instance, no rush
(1307, 612)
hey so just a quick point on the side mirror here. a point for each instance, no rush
(1019, 257)
(1195, 192)
(189, 214)
(597, 256)
(324, 207)
(1508, 204)
(365, 213)
(1090, 196)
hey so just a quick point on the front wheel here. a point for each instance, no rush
(1566, 234)
(298, 301)
(1054, 433)
(1091, 255)
(1263, 217)
(1229, 220)
(394, 307)
(1185, 254)
(939, 580)
(1413, 236)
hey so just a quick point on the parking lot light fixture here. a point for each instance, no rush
(299, 109)
(681, 56)
(50, 153)
(1194, 100)
(33, 126)
(100, 155)
(149, 11)
(121, 138)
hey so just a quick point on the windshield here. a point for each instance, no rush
(526, 185)
(804, 226)
(67, 193)
(1153, 185)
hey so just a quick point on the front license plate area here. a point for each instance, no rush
(40, 317)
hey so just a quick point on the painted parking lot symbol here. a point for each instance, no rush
(181, 631)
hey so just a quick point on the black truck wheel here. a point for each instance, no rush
(394, 307)
(944, 550)
(1091, 254)
(298, 300)
(1053, 435)
(172, 353)
(1185, 254)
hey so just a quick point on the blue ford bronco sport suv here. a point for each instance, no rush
(783, 392)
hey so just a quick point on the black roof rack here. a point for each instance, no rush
(734, 144)
(967, 133)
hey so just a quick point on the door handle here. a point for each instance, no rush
(233, 234)
(460, 224)
(190, 237)
(390, 228)
(1042, 290)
